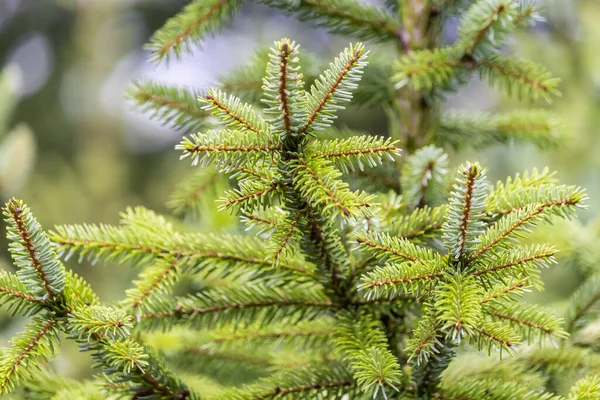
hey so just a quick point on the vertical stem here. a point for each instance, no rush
(411, 119)
(413, 111)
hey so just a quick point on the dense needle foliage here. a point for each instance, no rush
(371, 267)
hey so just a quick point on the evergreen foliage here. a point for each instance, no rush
(337, 291)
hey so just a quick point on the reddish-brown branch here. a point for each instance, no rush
(180, 312)
(519, 321)
(328, 192)
(468, 204)
(283, 91)
(388, 250)
(171, 268)
(330, 92)
(513, 264)
(183, 35)
(232, 114)
(47, 327)
(16, 213)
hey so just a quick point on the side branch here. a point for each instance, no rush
(16, 213)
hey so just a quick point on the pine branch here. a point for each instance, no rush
(518, 262)
(423, 176)
(563, 360)
(394, 279)
(422, 223)
(506, 195)
(503, 291)
(457, 305)
(428, 69)
(13, 295)
(286, 236)
(173, 106)
(234, 113)
(394, 250)
(217, 307)
(203, 254)
(246, 81)
(283, 89)
(524, 77)
(490, 389)
(531, 320)
(190, 195)
(344, 17)
(317, 181)
(37, 265)
(487, 23)
(227, 149)
(333, 87)
(357, 151)
(155, 281)
(556, 200)
(88, 323)
(583, 305)
(33, 347)
(479, 130)
(251, 195)
(312, 382)
(585, 388)
(521, 221)
(324, 247)
(305, 335)
(464, 218)
(364, 345)
(495, 335)
(427, 340)
(189, 26)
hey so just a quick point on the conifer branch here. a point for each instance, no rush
(427, 69)
(119, 244)
(364, 344)
(316, 180)
(478, 130)
(189, 195)
(195, 20)
(334, 87)
(34, 346)
(585, 388)
(345, 17)
(392, 249)
(153, 283)
(226, 148)
(13, 294)
(173, 106)
(463, 222)
(524, 77)
(518, 262)
(234, 113)
(421, 223)
(357, 150)
(531, 317)
(583, 304)
(249, 195)
(521, 220)
(283, 89)
(498, 291)
(38, 267)
(423, 176)
(485, 25)
(214, 307)
(305, 382)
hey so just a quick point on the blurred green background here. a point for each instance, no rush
(75, 151)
